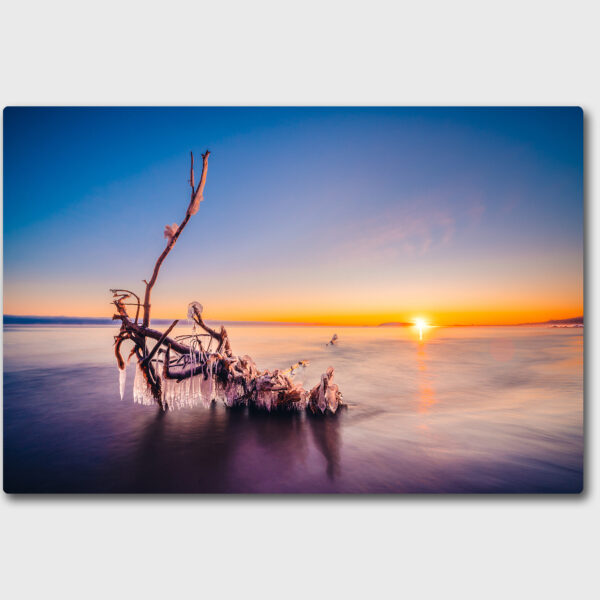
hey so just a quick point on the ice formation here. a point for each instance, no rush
(235, 381)
(325, 396)
(185, 394)
(194, 307)
(170, 231)
(122, 378)
(142, 393)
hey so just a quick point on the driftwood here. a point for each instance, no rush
(187, 369)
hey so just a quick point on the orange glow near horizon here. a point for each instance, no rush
(345, 304)
(218, 310)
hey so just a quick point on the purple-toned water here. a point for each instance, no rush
(465, 409)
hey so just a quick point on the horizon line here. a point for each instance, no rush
(65, 319)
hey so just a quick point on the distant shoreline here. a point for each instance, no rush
(64, 320)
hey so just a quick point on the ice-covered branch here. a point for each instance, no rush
(180, 371)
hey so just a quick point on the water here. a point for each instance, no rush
(465, 409)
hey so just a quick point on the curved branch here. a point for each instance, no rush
(120, 361)
(121, 295)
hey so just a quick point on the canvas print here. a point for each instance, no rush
(293, 300)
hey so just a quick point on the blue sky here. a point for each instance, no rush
(314, 214)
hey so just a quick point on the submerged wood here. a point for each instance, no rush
(174, 373)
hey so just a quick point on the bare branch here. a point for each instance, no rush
(196, 199)
(163, 337)
(192, 173)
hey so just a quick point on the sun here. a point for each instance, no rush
(421, 324)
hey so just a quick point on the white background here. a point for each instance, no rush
(426, 53)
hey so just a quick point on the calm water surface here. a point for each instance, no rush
(465, 409)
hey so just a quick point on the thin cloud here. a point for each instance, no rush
(417, 227)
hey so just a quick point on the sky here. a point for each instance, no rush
(348, 216)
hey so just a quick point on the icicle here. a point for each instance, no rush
(192, 365)
(122, 378)
(142, 394)
(207, 384)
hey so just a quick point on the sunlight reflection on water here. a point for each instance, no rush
(465, 409)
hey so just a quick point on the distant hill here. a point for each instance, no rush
(572, 321)
(395, 324)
